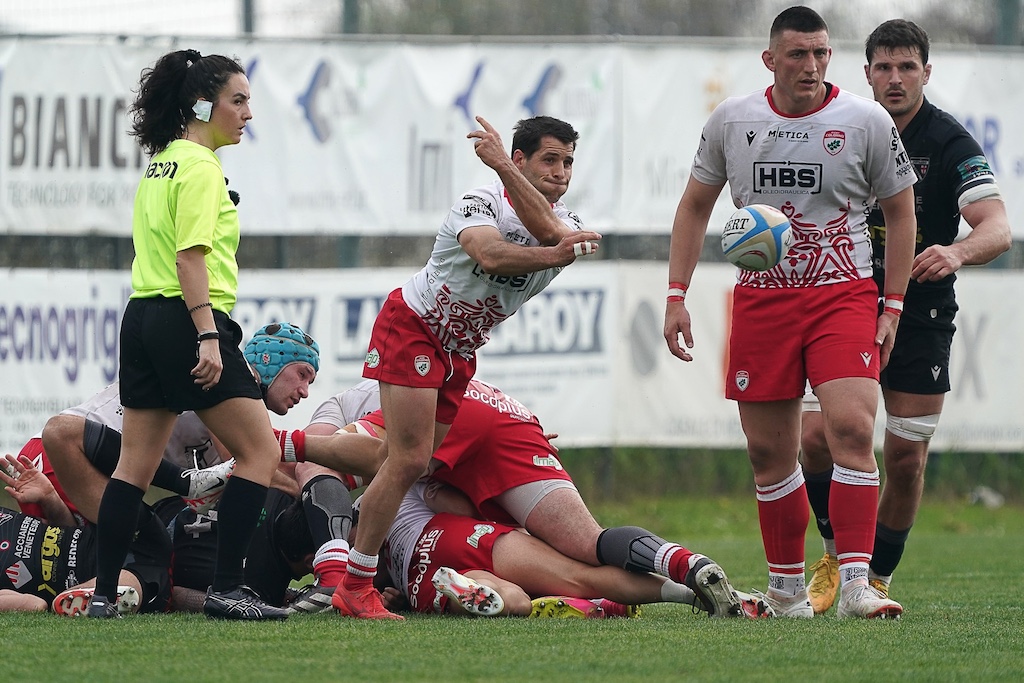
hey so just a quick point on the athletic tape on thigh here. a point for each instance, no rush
(920, 428)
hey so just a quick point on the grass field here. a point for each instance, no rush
(961, 583)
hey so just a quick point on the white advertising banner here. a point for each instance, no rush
(587, 354)
(370, 137)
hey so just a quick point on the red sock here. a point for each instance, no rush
(330, 563)
(361, 570)
(784, 512)
(293, 445)
(853, 510)
(676, 558)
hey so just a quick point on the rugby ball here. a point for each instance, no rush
(757, 237)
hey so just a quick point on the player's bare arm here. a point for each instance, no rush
(688, 230)
(900, 236)
(989, 237)
(533, 209)
(485, 245)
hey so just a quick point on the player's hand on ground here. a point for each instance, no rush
(935, 263)
(28, 485)
(885, 337)
(488, 145)
(393, 600)
(207, 370)
(677, 322)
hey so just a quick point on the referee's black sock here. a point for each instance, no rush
(116, 522)
(238, 515)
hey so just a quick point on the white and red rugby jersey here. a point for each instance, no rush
(823, 169)
(458, 300)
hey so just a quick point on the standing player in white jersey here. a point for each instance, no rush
(822, 156)
(499, 245)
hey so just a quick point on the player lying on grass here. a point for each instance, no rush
(440, 562)
(498, 454)
(47, 565)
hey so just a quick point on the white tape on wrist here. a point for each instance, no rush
(583, 248)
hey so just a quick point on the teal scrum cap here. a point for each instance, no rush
(279, 344)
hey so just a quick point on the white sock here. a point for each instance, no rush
(677, 592)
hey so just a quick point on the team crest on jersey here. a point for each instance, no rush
(834, 141)
(372, 358)
(422, 365)
(742, 380)
(921, 166)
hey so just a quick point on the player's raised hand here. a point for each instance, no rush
(488, 145)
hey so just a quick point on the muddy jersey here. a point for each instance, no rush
(952, 172)
(456, 298)
(822, 169)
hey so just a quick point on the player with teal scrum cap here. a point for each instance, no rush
(276, 346)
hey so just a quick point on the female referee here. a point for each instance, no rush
(179, 347)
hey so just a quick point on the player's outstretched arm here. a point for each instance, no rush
(531, 206)
(485, 245)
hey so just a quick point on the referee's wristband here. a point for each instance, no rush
(208, 334)
(676, 292)
(893, 304)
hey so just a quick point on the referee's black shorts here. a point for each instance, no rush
(159, 350)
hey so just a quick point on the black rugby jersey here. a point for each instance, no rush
(948, 162)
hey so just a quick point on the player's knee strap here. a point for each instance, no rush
(920, 428)
(630, 547)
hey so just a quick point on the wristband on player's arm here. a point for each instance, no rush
(893, 304)
(676, 292)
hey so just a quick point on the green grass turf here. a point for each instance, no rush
(961, 582)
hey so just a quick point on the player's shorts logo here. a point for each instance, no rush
(547, 461)
(422, 365)
(372, 358)
(479, 531)
(834, 141)
(742, 380)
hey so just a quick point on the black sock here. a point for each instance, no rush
(889, 545)
(168, 477)
(116, 522)
(238, 515)
(818, 486)
(328, 507)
